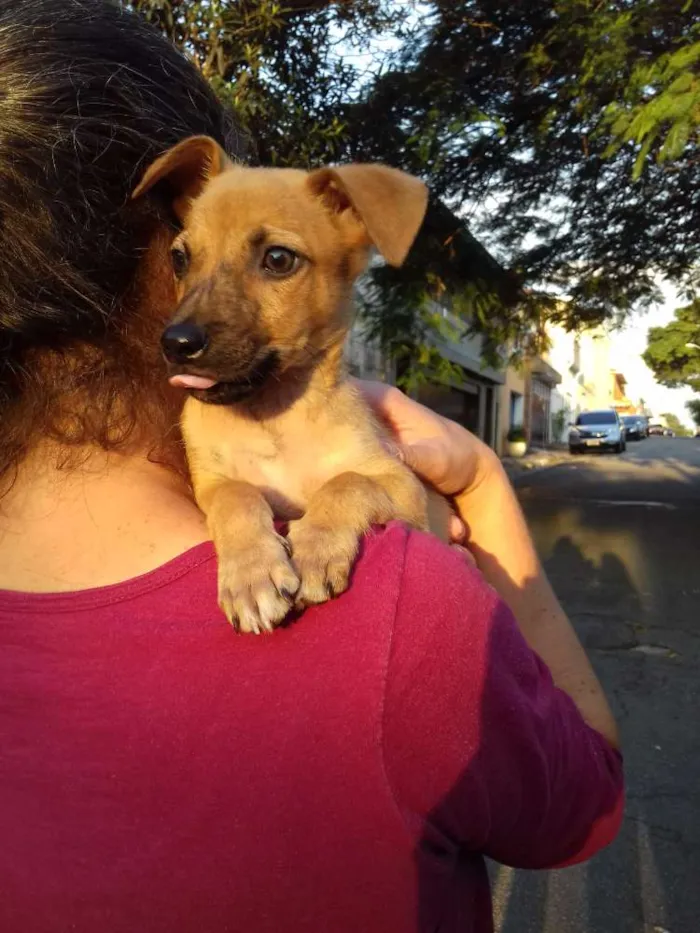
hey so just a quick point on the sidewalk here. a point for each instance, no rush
(535, 459)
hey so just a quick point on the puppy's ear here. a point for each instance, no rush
(390, 203)
(187, 168)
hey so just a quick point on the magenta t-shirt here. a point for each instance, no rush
(160, 774)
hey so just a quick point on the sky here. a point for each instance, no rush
(627, 346)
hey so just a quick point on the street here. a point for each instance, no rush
(620, 538)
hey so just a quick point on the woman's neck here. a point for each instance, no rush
(113, 518)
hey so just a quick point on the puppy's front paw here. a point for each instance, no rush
(257, 585)
(323, 558)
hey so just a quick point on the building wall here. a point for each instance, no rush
(620, 399)
(584, 362)
(473, 401)
(511, 405)
(364, 358)
(538, 402)
(598, 348)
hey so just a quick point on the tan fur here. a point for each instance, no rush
(303, 447)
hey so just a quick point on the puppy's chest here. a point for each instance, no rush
(287, 468)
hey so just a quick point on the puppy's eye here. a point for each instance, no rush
(280, 261)
(180, 257)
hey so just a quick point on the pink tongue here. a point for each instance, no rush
(192, 382)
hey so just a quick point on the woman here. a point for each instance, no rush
(157, 772)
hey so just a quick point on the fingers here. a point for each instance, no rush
(426, 459)
(439, 451)
(384, 399)
(458, 530)
(374, 392)
(395, 406)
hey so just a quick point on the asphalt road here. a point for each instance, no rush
(620, 538)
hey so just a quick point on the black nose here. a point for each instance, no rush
(182, 342)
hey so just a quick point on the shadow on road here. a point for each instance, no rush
(671, 480)
(628, 575)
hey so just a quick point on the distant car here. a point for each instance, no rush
(635, 429)
(597, 430)
(669, 433)
(656, 429)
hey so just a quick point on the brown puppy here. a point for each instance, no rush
(265, 267)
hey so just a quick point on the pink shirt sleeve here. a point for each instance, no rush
(479, 744)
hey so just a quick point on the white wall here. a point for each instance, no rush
(561, 402)
(584, 362)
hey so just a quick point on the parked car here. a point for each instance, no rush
(601, 430)
(656, 429)
(635, 429)
(669, 433)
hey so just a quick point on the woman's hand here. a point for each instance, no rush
(441, 452)
(461, 466)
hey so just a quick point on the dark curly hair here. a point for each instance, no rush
(89, 95)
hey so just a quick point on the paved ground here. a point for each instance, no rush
(620, 537)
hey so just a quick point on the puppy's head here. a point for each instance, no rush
(266, 260)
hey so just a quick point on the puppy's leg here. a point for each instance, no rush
(325, 541)
(257, 582)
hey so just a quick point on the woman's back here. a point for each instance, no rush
(160, 773)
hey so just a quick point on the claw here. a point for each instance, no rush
(257, 587)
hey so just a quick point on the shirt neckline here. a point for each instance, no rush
(75, 600)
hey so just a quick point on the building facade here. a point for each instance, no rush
(583, 360)
(364, 359)
(473, 399)
(541, 384)
(512, 404)
(619, 401)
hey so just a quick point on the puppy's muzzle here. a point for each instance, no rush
(182, 343)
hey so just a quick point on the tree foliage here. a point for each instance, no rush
(673, 352)
(563, 133)
(646, 51)
(675, 424)
(278, 64)
(512, 106)
(693, 407)
(297, 72)
(661, 109)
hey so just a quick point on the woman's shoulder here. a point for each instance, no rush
(444, 609)
(418, 561)
(430, 580)
(397, 574)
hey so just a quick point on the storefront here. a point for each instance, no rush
(472, 400)
(469, 403)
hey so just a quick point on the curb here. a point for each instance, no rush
(516, 473)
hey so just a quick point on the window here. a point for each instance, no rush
(597, 417)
